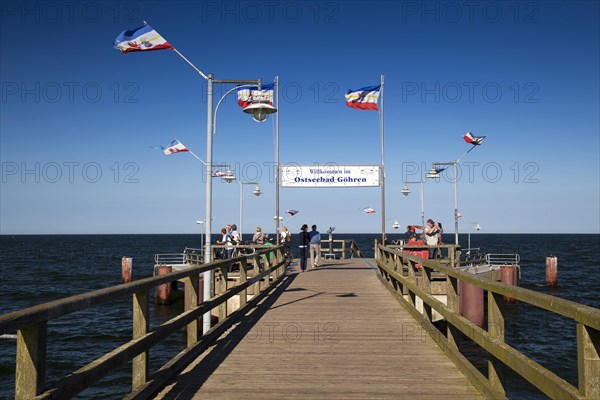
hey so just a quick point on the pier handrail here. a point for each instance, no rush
(497, 259)
(31, 326)
(398, 271)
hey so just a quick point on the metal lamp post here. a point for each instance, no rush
(478, 228)
(201, 234)
(260, 113)
(434, 173)
(257, 192)
(406, 192)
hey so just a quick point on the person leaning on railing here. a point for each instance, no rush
(258, 237)
(431, 232)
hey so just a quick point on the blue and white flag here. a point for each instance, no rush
(364, 98)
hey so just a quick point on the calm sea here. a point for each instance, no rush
(38, 269)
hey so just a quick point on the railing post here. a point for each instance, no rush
(257, 286)
(452, 303)
(588, 361)
(412, 298)
(343, 249)
(495, 330)
(192, 288)
(30, 374)
(426, 286)
(243, 278)
(222, 288)
(141, 323)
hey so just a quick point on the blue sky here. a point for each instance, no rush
(78, 119)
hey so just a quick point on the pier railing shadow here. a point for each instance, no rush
(409, 279)
(267, 269)
(225, 345)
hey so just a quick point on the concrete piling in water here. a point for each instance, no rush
(551, 270)
(163, 292)
(508, 276)
(126, 269)
(471, 303)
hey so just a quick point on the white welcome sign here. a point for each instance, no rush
(329, 175)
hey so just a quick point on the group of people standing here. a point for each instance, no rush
(431, 235)
(230, 237)
(309, 242)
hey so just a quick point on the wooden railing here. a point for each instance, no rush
(345, 248)
(31, 326)
(397, 270)
(354, 250)
(445, 253)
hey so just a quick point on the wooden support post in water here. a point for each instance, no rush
(30, 374)
(588, 361)
(471, 303)
(141, 325)
(508, 276)
(163, 292)
(192, 296)
(551, 270)
(496, 331)
(126, 269)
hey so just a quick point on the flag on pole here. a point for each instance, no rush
(369, 210)
(292, 212)
(175, 147)
(458, 215)
(472, 139)
(439, 169)
(248, 94)
(144, 38)
(364, 98)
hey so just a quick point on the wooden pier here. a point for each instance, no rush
(328, 333)
(352, 329)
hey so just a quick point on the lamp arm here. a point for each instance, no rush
(214, 127)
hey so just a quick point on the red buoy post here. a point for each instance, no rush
(551, 270)
(471, 303)
(163, 292)
(126, 269)
(508, 276)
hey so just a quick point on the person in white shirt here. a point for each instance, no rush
(236, 237)
(431, 231)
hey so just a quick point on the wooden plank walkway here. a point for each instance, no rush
(335, 332)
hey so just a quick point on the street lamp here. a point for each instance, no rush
(406, 192)
(229, 176)
(260, 110)
(478, 228)
(210, 130)
(435, 173)
(201, 234)
(257, 192)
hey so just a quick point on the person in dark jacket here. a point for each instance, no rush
(303, 244)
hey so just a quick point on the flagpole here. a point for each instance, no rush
(199, 159)
(190, 63)
(277, 224)
(191, 152)
(381, 129)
